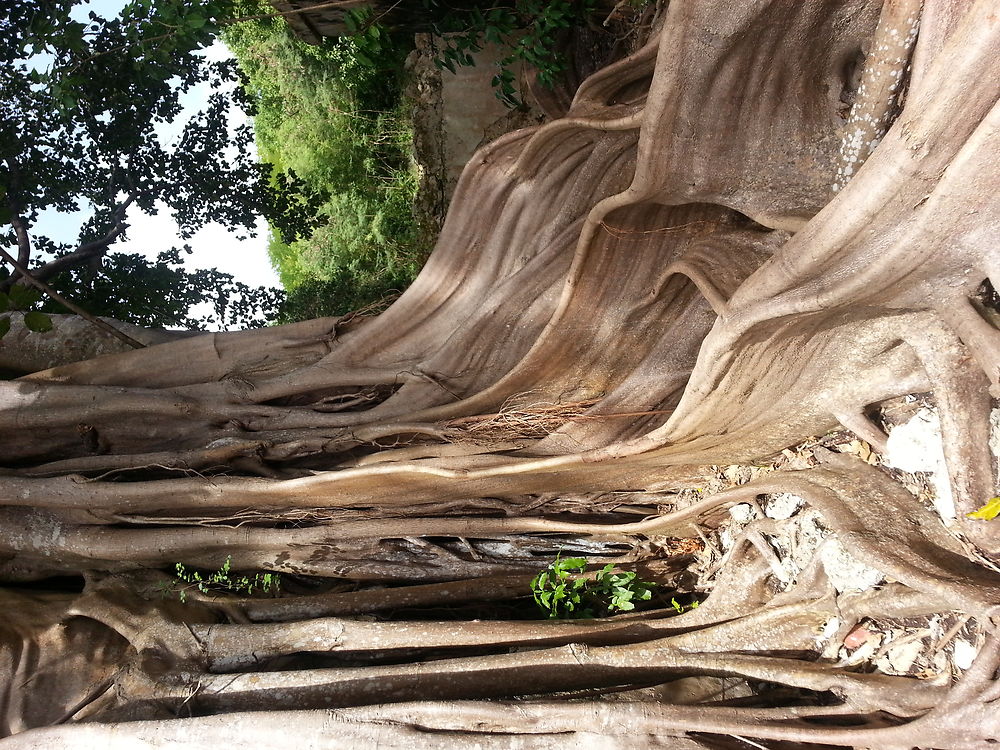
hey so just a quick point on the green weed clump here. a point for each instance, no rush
(563, 592)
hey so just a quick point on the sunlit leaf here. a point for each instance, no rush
(989, 511)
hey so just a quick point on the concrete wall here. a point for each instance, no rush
(453, 114)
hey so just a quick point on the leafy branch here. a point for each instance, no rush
(40, 322)
(530, 29)
(221, 581)
(197, 21)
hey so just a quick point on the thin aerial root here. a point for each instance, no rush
(982, 339)
(705, 284)
(215, 457)
(597, 90)
(534, 153)
(861, 425)
(883, 84)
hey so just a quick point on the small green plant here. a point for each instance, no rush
(219, 581)
(681, 608)
(564, 592)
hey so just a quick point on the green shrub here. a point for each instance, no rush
(330, 117)
(563, 592)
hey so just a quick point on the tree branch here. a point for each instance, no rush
(41, 285)
(23, 240)
(17, 222)
(229, 22)
(90, 249)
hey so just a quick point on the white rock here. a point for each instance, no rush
(783, 505)
(916, 446)
(963, 654)
(995, 443)
(743, 512)
(901, 657)
(844, 571)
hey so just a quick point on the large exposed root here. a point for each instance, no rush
(660, 284)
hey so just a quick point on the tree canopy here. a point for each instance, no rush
(666, 331)
(91, 120)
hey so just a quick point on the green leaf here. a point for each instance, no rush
(4, 302)
(37, 322)
(4, 326)
(988, 512)
(570, 563)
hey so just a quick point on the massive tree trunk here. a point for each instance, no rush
(771, 219)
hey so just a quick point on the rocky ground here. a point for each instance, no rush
(792, 537)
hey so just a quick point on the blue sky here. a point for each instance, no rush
(213, 246)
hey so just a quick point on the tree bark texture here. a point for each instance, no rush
(770, 219)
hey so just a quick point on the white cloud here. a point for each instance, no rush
(212, 247)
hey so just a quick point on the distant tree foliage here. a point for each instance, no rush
(331, 117)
